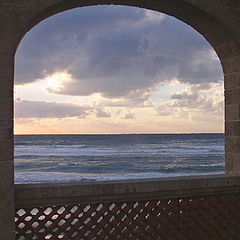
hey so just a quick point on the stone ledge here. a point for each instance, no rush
(30, 195)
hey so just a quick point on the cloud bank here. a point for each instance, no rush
(120, 69)
(41, 109)
(119, 52)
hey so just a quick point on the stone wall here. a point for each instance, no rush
(217, 20)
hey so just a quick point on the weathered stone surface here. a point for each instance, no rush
(218, 37)
(7, 212)
(6, 110)
(6, 123)
(6, 152)
(6, 65)
(7, 234)
(233, 163)
(232, 80)
(5, 134)
(232, 128)
(7, 174)
(228, 50)
(232, 144)
(232, 112)
(232, 96)
(232, 147)
(231, 65)
(9, 42)
(28, 195)
(6, 86)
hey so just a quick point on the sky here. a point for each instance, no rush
(116, 69)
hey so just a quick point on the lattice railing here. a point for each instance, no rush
(208, 217)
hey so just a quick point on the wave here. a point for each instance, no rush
(51, 177)
(83, 150)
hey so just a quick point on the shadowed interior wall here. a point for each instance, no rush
(217, 20)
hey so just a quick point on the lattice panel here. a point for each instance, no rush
(206, 218)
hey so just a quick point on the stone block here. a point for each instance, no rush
(5, 133)
(228, 163)
(5, 205)
(201, 22)
(232, 128)
(7, 209)
(232, 163)
(232, 144)
(232, 112)
(6, 177)
(217, 36)
(232, 80)
(6, 66)
(228, 50)
(238, 39)
(6, 123)
(208, 25)
(9, 42)
(231, 65)
(6, 196)
(6, 142)
(232, 96)
(8, 234)
(6, 88)
(7, 151)
(6, 108)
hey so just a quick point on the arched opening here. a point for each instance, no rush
(215, 33)
(132, 62)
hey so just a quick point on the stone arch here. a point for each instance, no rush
(208, 26)
(216, 20)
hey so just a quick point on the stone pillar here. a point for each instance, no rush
(7, 209)
(232, 120)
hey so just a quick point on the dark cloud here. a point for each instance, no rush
(115, 51)
(41, 109)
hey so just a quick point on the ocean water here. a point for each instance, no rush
(73, 158)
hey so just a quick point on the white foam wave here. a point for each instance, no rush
(43, 177)
(86, 151)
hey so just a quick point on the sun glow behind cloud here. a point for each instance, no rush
(130, 71)
(56, 81)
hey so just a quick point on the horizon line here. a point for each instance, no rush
(116, 133)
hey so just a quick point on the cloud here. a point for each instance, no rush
(102, 114)
(119, 52)
(185, 96)
(129, 115)
(194, 101)
(197, 98)
(41, 109)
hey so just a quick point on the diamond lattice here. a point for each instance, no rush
(204, 218)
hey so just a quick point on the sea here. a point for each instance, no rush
(103, 157)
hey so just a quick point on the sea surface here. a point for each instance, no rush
(74, 158)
